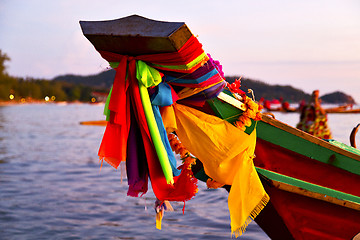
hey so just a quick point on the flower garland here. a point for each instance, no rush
(252, 108)
(178, 148)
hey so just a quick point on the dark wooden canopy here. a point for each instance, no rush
(135, 35)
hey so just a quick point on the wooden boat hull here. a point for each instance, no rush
(293, 153)
(295, 211)
(309, 218)
(312, 184)
(289, 151)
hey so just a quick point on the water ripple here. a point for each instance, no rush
(52, 187)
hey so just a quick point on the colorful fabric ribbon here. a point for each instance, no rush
(142, 109)
(114, 147)
(184, 187)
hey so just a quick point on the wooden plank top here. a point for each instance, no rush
(135, 35)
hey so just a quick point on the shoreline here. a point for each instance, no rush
(13, 103)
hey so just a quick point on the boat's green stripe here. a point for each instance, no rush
(307, 148)
(308, 186)
(344, 146)
(229, 113)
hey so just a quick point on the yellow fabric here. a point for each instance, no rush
(226, 153)
(159, 217)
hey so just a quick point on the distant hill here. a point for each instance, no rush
(102, 80)
(261, 89)
(267, 91)
(337, 97)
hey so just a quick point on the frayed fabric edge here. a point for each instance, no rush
(108, 160)
(255, 212)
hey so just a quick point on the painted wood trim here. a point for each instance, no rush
(232, 101)
(315, 195)
(308, 189)
(308, 137)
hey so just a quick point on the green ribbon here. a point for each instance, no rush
(187, 66)
(149, 77)
(106, 107)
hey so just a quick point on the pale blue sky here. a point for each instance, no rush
(307, 44)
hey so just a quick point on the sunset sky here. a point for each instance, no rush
(306, 44)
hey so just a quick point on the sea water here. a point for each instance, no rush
(51, 185)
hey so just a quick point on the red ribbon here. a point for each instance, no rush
(114, 142)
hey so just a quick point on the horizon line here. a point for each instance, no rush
(340, 62)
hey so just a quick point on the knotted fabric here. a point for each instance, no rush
(132, 80)
(119, 107)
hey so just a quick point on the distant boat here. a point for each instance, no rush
(62, 103)
(340, 109)
(94, 123)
